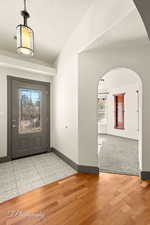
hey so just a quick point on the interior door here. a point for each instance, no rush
(30, 122)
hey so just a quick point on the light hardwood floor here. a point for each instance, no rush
(83, 199)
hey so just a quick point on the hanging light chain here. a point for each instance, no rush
(25, 13)
(25, 5)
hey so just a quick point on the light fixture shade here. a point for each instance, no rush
(25, 40)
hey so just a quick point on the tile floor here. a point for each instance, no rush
(23, 175)
(118, 155)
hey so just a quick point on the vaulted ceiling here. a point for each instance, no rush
(129, 32)
(53, 21)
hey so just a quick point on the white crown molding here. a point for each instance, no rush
(12, 63)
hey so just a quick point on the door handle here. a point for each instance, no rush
(13, 126)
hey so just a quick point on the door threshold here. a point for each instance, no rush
(117, 172)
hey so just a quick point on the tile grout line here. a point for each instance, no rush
(15, 178)
(37, 171)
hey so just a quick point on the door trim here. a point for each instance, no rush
(9, 109)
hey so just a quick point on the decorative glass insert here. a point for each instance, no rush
(29, 111)
(119, 111)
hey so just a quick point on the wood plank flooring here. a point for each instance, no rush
(82, 199)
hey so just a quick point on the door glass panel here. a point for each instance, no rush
(29, 111)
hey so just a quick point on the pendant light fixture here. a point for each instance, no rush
(25, 35)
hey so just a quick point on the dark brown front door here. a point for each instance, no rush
(29, 117)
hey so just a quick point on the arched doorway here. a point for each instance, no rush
(119, 113)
